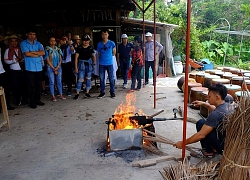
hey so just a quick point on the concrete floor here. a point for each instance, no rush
(65, 140)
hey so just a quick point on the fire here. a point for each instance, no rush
(122, 113)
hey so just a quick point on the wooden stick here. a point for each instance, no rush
(154, 161)
(167, 141)
(155, 114)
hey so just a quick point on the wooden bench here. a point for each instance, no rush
(6, 121)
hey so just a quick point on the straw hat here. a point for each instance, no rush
(7, 38)
(76, 37)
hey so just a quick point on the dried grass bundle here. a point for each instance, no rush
(150, 147)
(185, 171)
(235, 162)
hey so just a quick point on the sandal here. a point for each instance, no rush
(53, 99)
(63, 98)
(201, 154)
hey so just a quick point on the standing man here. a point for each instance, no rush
(32, 51)
(106, 50)
(149, 55)
(123, 55)
(76, 42)
(67, 67)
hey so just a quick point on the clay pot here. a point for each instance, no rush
(181, 82)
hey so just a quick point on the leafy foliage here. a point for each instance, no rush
(204, 43)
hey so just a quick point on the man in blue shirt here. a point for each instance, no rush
(123, 55)
(33, 52)
(106, 50)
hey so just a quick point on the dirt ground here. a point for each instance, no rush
(66, 140)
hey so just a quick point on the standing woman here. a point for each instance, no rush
(84, 65)
(137, 64)
(14, 58)
(53, 55)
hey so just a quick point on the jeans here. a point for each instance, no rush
(82, 71)
(124, 65)
(149, 64)
(109, 69)
(52, 76)
(136, 75)
(211, 140)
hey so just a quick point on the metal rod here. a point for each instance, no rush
(202, 116)
(184, 140)
(154, 70)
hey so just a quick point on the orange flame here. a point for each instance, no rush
(123, 112)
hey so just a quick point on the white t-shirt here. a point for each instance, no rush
(12, 62)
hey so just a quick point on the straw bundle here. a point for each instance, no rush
(185, 171)
(235, 162)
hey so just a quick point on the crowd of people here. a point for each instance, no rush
(74, 61)
(27, 63)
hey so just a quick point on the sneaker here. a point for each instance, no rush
(112, 95)
(68, 93)
(40, 103)
(87, 95)
(33, 106)
(101, 95)
(125, 86)
(76, 97)
(25, 102)
(18, 102)
(130, 91)
(44, 92)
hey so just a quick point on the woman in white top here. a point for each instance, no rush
(13, 57)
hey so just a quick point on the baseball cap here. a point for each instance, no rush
(124, 36)
(86, 37)
(148, 34)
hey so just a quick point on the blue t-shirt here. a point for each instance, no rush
(217, 115)
(106, 52)
(34, 64)
(124, 51)
(216, 118)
